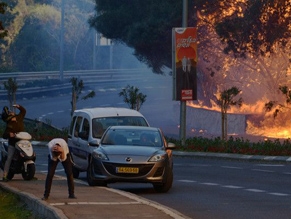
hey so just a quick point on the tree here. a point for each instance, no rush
(256, 27)
(3, 32)
(77, 87)
(133, 97)
(11, 87)
(275, 107)
(242, 26)
(33, 43)
(225, 101)
(145, 26)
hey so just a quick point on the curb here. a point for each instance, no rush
(39, 207)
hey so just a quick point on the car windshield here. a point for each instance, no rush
(132, 137)
(99, 125)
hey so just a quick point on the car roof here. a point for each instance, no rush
(108, 112)
(143, 128)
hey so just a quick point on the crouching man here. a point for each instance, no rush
(59, 152)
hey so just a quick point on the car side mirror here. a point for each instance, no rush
(94, 143)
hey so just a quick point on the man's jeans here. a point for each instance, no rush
(52, 165)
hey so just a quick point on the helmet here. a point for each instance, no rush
(6, 114)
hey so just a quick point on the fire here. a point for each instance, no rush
(259, 122)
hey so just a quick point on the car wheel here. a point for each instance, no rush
(90, 178)
(30, 171)
(165, 187)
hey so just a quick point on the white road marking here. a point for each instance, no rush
(266, 171)
(95, 203)
(237, 187)
(278, 194)
(229, 167)
(187, 181)
(210, 184)
(255, 190)
(232, 187)
(271, 165)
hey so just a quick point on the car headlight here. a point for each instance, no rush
(158, 157)
(99, 155)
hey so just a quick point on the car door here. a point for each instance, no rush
(76, 143)
(83, 139)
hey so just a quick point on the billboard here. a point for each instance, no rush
(184, 63)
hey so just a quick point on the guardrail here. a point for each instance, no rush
(88, 77)
(22, 77)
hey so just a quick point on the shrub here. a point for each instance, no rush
(276, 147)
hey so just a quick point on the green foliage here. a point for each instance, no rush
(236, 146)
(34, 41)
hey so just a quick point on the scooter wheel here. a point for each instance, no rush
(29, 174)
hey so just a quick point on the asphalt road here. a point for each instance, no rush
(216, 188)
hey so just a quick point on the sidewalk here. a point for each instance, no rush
(91, 202)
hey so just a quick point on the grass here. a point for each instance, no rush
(11, 207)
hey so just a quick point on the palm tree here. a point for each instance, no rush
(225, 101)
(133, 97)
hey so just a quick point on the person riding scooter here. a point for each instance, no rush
(14, 124)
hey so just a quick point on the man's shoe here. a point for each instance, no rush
(44, 198)
(72, 196)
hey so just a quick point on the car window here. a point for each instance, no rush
(85, 129)
(132, 137)
(72, 124)
(99, 125)
(77, 126)
(97, 128)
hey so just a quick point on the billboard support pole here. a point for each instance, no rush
(183, 103)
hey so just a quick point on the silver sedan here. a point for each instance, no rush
(132, 154)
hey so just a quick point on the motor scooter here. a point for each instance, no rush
(23, 161)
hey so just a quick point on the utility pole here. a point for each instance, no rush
(62, 41)
(183, 103)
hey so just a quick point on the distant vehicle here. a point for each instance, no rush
(87, 127)
(132, 154)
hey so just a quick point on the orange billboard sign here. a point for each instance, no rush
(184, 63)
